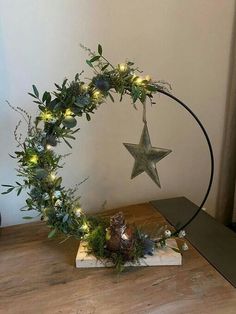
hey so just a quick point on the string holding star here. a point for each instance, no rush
(146, 156)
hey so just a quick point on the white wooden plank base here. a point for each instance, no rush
(161, 257)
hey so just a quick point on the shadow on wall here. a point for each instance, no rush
(3, 68)
(3, 86)
(226, 194)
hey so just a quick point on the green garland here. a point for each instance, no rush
(38, 164)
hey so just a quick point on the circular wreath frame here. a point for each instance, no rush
(38, 164)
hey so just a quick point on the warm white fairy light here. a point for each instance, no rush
(77, 211)
(84, 87)
(97, 95)
(148, 78)
(46, 115)
(34, 159)
(68, 112)
(49, 147)
(122, 67)
(85, 227)
(139, 80)
(53, 176)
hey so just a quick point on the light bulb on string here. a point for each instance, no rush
(85, 227)
(97, 95)
(122, 67)
(34, 159)
(84, 87)
(77, 212)
(49, 147)
(148, 78)
(46, 115)
(68, 112)
(53, 176)
(138, 80)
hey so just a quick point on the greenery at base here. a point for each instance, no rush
(96, 245)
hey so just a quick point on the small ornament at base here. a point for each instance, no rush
(120, 237)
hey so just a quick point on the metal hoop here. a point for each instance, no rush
(211, 158)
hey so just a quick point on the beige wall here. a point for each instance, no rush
(185, 42)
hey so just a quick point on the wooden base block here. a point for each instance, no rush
(161, 257)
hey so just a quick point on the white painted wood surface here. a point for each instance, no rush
(161, 257)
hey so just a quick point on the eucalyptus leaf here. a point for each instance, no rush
(41, 107)
(100, 49)
(40, 173)
(8, 191)
(64, 83)
(32, 95)
(105, 66)
(110, 95)
(89, 63)
(65, 218)
(57, 86)
(58, 182)
(69, 122)
(95, 58)
(75, 131)
(35, 91)
(151, 88)
(76, 76)
(88, 117)
(45, 95)
(176, 250)
(67, 143)
(52, 233)
(37, 102)
(19, 191)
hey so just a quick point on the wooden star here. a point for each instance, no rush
(146, 156)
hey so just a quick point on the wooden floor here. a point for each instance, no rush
(38, 275)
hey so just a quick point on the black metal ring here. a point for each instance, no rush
(211, 158)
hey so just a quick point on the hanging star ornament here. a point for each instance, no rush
(146, 156)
